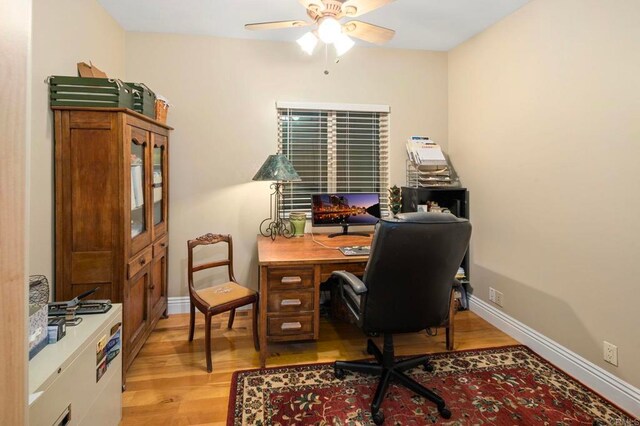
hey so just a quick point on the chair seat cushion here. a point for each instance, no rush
(224, 293)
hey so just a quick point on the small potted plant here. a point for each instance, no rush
(395, 200)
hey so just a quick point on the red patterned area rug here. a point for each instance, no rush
(502, 386)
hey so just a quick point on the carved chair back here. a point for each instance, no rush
(207, 240)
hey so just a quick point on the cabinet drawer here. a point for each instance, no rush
(289, 325)
(355, 268)
(139, 262)
(289, 278)
(160, 246)
(291, 301)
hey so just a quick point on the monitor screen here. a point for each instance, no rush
(345, 209)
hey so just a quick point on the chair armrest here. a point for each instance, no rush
(354, 282)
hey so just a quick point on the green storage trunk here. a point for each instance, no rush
(144, 100)
(89, 92)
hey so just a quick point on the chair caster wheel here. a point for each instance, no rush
(338, 372)
(444, 413)
(378, 418)
(427, 367)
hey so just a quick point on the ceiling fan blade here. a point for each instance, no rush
(353, 8)
(276, 25)
(368, 32)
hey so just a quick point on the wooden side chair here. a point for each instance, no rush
(221, 298)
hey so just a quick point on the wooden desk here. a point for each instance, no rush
(291, 271)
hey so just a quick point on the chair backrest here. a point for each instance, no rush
(413, 261)
(209, 239)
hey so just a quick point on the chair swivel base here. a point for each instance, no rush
(387, 369)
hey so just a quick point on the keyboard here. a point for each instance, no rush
(355, 250)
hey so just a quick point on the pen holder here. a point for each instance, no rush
(298, 221)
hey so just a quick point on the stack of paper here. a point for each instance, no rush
(427, 165)
(157, 186)
(137, 195)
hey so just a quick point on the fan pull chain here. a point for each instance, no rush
(326, 59)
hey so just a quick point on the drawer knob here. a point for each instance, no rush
(291, 280)
(291, 326)
(152, 286)
(142, 260)
(163, 245)
(290, 302)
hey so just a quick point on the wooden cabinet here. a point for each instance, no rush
(111, 167)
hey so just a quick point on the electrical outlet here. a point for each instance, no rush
(610, 353)
(499, 298)
(495, 296)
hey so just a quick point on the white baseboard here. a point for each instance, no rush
(180, 305)
(611, 387)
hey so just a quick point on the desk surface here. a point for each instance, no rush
(304, 250)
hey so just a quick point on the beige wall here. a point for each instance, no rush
(64, 32)
(224, 92)
(544, 127)
(15, 29)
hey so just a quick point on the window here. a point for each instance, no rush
(334, 148)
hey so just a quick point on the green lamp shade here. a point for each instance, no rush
(278, 168)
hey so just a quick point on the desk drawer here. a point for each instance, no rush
(291, 301)
(355, 268)
(290, 278)
(290, 325)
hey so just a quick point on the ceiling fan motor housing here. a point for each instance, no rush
(331, 8)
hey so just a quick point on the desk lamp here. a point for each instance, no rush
(279, 169)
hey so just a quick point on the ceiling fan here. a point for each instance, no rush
(326, 15)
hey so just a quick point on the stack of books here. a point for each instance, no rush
(427, 165)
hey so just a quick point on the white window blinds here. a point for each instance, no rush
(334, 148)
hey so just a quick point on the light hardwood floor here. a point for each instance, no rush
(168, 383)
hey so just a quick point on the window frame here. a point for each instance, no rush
(334, 114)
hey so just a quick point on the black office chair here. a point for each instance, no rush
(406, 288)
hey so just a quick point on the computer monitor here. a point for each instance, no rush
(345, 209)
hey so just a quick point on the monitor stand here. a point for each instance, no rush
(345, 231)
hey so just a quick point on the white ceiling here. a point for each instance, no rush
(419, 24)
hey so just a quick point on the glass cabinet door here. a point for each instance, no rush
(140, 235)
(138, 225)
(159, 185)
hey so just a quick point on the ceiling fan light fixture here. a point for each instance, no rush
(343, 44)
(308, 42)
(329, 29)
